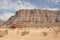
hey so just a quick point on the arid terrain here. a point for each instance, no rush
(32, 24)
(30, 34)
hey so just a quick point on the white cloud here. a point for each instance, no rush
(6, 15)
(9, 5)
(53, 9)
(56, 1)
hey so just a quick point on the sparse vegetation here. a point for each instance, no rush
(44, 33)
(3, 32)
(57, 30)
(24, 33)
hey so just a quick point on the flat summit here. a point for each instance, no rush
(34, 17)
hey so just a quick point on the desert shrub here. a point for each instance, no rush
(44, 33)
(57, 30)
(24, 33)
(3, 32)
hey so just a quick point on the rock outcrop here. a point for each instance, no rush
(1, 22)
(34, 16)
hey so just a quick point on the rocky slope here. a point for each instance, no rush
(1, 22)
(34, 16)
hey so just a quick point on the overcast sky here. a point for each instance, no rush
(9, 7)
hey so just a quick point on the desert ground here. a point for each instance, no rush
(52, 33)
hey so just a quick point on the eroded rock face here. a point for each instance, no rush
(34, 16)
(1, 22)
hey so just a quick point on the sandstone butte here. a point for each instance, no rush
(30, 17)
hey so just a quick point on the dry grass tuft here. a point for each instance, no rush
(44, 33)
(24, 33)
(3, 32)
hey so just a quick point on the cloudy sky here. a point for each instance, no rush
(9, 7)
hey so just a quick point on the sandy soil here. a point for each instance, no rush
(34, 34)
